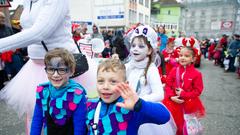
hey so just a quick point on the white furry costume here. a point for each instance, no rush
(153, 89)
(48, 21)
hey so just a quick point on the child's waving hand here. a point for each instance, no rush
(128, 94)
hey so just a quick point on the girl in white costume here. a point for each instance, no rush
(48, 21)
(143, 75)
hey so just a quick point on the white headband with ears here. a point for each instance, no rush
(148, 32)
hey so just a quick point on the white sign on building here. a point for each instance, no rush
(110, 12)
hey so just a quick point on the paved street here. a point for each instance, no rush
(220, 96)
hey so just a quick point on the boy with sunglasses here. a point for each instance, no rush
(60, 103)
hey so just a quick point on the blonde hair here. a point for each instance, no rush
(113, 65)
(66, 56)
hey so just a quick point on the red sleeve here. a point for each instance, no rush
(164, 53)
(176, 55)
(197, 88)
(170, 84)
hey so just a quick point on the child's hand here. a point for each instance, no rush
(177, 100)
(178, 91)
(128, 94)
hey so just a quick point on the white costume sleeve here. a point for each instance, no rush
(154, 82)
(50, 16)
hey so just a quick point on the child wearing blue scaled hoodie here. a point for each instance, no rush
(119, 110)
(60, 103)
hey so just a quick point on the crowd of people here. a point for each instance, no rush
(225, 52)
(145, 84)
(10, 61)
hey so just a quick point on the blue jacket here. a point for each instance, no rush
(164, 40)
(114, 120)
(234, 47)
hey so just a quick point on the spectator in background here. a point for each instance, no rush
(232, 50)
(107, 52)
(224, 41)
(109, 36)
(11, 62)
(204, 47)
(211, 49)
(84, 30)
(118, 45)
(76, 31)
(96, 33)
(4, 29)
(162, 34)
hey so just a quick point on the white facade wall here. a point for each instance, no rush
(81, 10)
(145, 12)
(109, 14)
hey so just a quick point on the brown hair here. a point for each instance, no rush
(66, 56)
(163, 27)
(190, 49)
(112, 65)
(149, 56)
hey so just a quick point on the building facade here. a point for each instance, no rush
(166, 13)
(114, 14)
(210, 18)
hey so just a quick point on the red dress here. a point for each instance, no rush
(190, 80)
(172, 62)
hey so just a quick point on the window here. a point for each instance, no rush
(146, 19)
(202, 25)
(193, 13)
(155, 11)
(141, 18)
(147, 3)
(141, 2)
(203, 13)
(169, 12)
(131, 19)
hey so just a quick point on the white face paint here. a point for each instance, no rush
(60, 73)
(139, 50)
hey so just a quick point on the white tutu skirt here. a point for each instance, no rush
(168, 128)
(20, 92)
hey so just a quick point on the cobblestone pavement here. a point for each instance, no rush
(220, 96)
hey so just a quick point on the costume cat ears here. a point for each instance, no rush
(192, 42)
(188, 42)
(148, 32)
(183, 41)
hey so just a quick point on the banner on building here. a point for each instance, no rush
(5, 3)
(226, 25)
(110, 12)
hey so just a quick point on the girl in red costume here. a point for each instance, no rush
(170, 55)
(183, 89)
